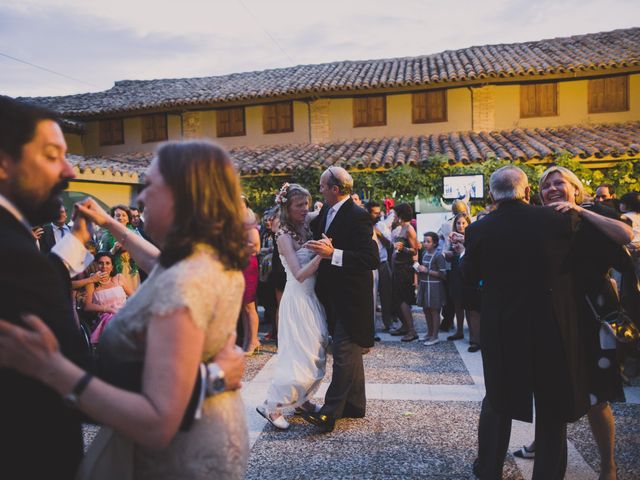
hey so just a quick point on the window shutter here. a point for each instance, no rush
(359, 112)
(285, 117)
(270, 119)
(237, 121)
(596, 95)
(223, 128)
(369, 111)
(379, 110)
(546, 94)
(527, 101)
(419, 107)
(609, 94)
(154, 128)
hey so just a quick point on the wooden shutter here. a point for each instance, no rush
(429, 107)
(270, 118)
(154, 128)
(538, 100)
(285, 117)
(277, 117)
(609, 94)
(370, 111)
(230, 122)
(111, 132)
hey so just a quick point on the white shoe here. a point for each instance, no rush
(428, 343)
(279, 422)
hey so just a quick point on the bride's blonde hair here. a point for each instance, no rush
(288, 193)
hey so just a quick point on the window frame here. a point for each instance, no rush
(279, 128)
(102, 138)
(607, 109)
(230, 132)
(155, 137)
(538, 110)
(426, 94)
(369, 121)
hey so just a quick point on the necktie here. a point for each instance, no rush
(61, 231)
(330, 215)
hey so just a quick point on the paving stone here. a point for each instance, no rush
(258, 360)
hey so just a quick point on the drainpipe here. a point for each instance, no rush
(308, 102)
(471, 92)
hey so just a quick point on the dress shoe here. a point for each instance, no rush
(474, 347)
(352, 412)
(307, 407)
(376, 338)
(324, 422)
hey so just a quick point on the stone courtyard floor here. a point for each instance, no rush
(422, 413)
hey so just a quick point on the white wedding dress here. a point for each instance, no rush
(302, 341)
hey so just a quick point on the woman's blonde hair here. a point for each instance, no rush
(293, 190)
(569, 176)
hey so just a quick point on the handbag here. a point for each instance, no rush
(618, 323)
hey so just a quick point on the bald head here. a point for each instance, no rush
(509, 183)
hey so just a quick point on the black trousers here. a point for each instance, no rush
(345, 396)
(386, 294)
(494, 431)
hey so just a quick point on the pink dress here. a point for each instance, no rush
(115, 298)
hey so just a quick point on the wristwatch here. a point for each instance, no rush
(215, 379)
(71, 399)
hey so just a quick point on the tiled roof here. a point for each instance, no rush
(594, 141)
(591, 52)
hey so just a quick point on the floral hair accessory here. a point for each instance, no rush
(281, 196)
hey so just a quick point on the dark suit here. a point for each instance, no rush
(48, 239)
(40, 436)
(347, 295)
(530, 334)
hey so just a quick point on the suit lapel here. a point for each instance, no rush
(320, 222)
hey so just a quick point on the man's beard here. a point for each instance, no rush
(43, 212)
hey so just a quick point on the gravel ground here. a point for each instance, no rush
(627, 450)
(397, 439)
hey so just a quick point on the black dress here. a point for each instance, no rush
(402, 274)
(596, 294)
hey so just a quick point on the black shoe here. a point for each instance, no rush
(324, 422)
(352, 412)
(474, 347)
(376, 338)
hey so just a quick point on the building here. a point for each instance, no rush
(525, 101)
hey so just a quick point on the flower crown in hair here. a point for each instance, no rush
(281, 196)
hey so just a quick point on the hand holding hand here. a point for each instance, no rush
(28, 350)
(456, 238)
(399, 246)
(231, 359)
(323, 247)
(89, 209)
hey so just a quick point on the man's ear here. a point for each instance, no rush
(527, 193)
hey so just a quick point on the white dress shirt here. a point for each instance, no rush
(336, 258)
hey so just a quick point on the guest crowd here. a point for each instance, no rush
(133, 315)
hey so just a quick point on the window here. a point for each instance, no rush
(154, 128)
(230, 122)
(277, 117)
(538, 100)
(369, 111)
(111, 132)
(609, 95)
(429, 107)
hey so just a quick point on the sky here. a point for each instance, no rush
(62, 47)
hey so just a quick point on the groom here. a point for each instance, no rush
(344, 286)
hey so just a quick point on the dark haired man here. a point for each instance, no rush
(40, 435)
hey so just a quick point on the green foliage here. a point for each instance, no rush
(425, 180)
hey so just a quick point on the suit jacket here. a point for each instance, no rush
(40, 437)
(48, 239)
(530, 335)
(347, 292)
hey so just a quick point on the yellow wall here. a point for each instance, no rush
(74, 143)
(399, 117)
(573, 106)
(132, 137)
(110, 193)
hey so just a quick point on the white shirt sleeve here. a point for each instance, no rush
(73, 253)
(336, 258)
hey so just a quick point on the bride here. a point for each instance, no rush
(302, 335)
